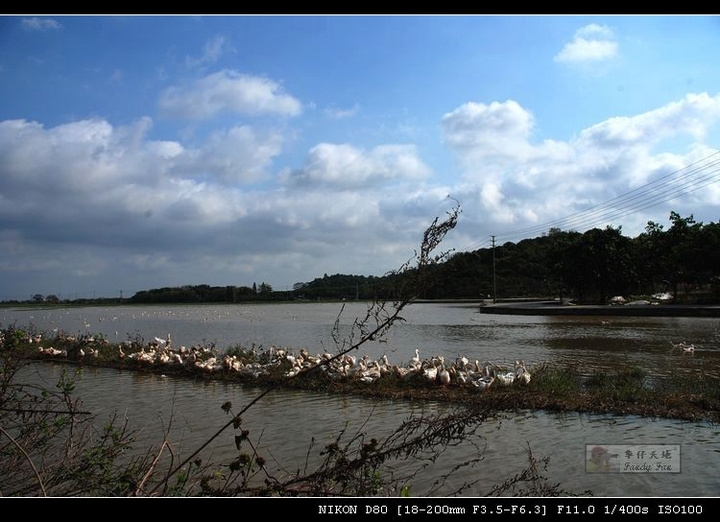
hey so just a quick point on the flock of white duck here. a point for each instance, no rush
(160, 353)
(435, 369)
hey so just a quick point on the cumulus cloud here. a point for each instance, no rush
(228, 91)
(688, 116)
(148, 210)
(111, 203)
(72, 156)
(497, 136)
(90, 168)
(40, 24)
(590, 44)
(343, 166)
(239, 154)
(514, 181)
(497, 129)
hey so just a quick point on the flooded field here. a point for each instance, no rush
(289, 421)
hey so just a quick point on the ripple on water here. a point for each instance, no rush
(287, 422)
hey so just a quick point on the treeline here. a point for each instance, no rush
(342, 286)
(590, 267)
(335, 287)
(206, 294)
(593, 266)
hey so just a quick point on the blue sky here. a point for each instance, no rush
(147, 151)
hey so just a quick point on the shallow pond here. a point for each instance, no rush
(286, 422)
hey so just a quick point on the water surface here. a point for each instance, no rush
(286, 423)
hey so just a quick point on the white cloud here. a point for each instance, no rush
(235, 155)
(228, 91)
(513, 182)
(690, 115)
(212, 51)
(67, 157)
(581, 50)
(336, 113)
(478, 131)
(40, 24)
(89, 167)
(89, 201)
(346, 167)
(492, 200)
(591, 43)
(595, 31)
(89, 183)
(153, 211)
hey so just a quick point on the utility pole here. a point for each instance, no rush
(494, 280)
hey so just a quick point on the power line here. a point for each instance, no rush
(670, 186)
(483, 243)
(687, 179)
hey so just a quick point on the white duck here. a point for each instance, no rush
(431, 373)
(483, 383)
(504, 376)
(522, 374)
(443, 375)
(415, 362)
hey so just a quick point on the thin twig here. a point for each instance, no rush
(139, 487)
(27, 457)
(431, 239)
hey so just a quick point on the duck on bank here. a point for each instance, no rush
(492, 385)
(278, 362)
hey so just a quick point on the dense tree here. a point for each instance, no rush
(559, 262)
(341, 286)
(592, 267)
(198, 294)
(600, 265)
(685, 256)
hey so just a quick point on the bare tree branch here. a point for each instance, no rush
(29, 460)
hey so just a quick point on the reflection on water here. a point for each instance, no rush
(287, 422)
(587, 343)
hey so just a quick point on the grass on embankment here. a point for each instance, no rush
(626, 392)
